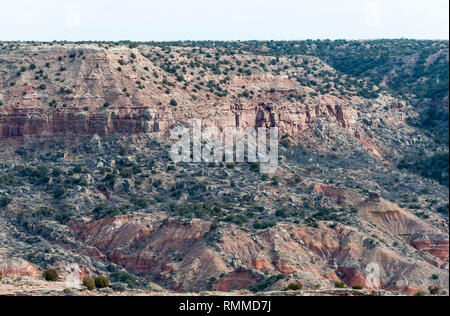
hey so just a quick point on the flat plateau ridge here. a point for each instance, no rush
(86, 179)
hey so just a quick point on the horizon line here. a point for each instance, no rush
(224, 40)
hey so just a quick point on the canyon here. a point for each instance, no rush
(86, 179)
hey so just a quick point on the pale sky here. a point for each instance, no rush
(141, 20)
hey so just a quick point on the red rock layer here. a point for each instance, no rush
(40, 122)
(18, 267)
(185, 255)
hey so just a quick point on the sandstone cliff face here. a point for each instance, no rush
(80, 91)
(44, 123)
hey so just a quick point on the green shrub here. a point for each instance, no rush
(357, 287)
(59, 193)
(294, 286)
(238, 219)
(57, 172)
(157, 183)
(50, 275)
(212, 279)
(435, 277)
(420, 293)
(281, 213)
(43, 213)
(38, 175)
(254, 166)
(101, 282)
(340, 285)
(89, 283)
(263, 225)
(111, 268)
(173, 102)
(433, 290)
(125, 277)
(259, 287)
(443, 209)
(5, 201)
(63, 217)
(140, 202)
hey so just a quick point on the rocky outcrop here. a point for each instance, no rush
(96, 97)
(236, 280)
(393, 218)
(48, 123)
(112, 234)
(437, 245)
(398, 221)
(18, 267)
(184, 255)
(329, 191)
